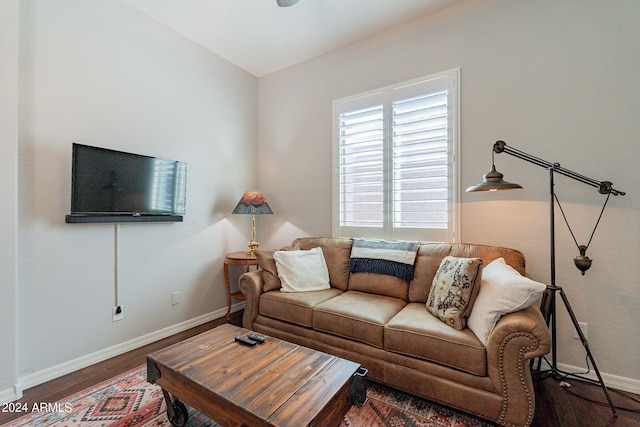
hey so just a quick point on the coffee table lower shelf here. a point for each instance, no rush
(275, 383)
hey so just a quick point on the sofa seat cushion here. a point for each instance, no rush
(294, 307)
(357, 315)
(416, 332)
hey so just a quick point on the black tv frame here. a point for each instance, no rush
(120, 217)
(102, 218)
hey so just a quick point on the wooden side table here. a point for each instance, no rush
(236, 258)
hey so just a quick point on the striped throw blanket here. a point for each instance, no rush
(393, 258)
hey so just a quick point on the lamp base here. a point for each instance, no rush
(253, 245)
(548, 308)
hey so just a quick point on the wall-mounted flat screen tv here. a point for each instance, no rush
(115, 186)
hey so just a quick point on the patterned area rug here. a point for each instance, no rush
(128, 400)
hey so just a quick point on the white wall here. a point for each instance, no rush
(9, 197)
(555, 79)
(101, 73)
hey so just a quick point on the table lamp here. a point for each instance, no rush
(252, 202)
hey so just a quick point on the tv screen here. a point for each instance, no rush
(107, 182)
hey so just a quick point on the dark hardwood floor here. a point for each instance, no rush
(555, 406)
(582, 404)
(74, 382)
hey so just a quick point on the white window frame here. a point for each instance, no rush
(387, 231)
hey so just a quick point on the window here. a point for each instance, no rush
(394, 152)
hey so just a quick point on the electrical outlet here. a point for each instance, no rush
(585, 331)
(118, 313)
(175, 298)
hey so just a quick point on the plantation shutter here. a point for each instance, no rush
(420, 161)
(361, 163)
(394, 164)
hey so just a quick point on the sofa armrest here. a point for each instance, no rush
(251, 286)
(516, 338)
(528, 322)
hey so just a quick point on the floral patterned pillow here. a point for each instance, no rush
(454, 288)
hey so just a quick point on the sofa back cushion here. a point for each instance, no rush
(431, 254)
(270, 279)
(382, 267)
(336, 253)
(338, 250)
(379, 284)
(427, 262)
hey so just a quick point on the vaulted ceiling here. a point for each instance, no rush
(261, 37)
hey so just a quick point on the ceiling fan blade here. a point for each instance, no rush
(286, 3)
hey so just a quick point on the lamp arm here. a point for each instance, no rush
(604, 187)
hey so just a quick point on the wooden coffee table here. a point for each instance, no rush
(275, 383)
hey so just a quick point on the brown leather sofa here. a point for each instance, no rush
(382, 324)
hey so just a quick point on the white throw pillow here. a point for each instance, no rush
(302, 271)
(503, 290)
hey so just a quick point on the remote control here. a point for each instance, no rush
(245, 340)
(256, 337)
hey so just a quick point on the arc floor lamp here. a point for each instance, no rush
(493, 181)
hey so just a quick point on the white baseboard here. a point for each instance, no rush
(11, 394)
(611, 381)
(57, 371)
